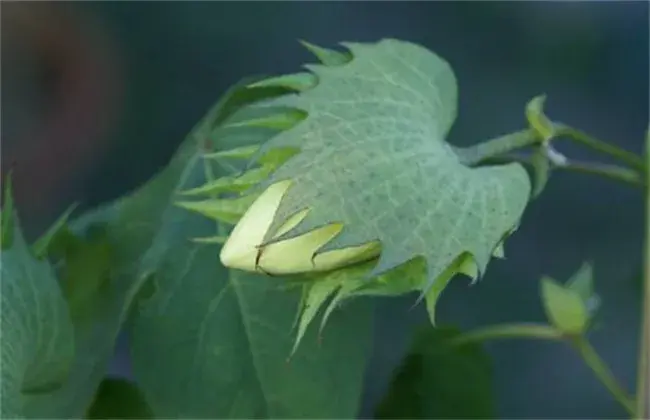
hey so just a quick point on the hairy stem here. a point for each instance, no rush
(642, 391)
(602, 372)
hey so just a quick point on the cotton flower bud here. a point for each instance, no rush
(243, 249)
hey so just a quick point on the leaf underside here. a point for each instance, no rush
(373, 156)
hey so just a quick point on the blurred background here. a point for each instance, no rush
(97, 95)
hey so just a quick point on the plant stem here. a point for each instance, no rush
(602, 372)
(497, 146)
(613, 172)
(505, 331)
(643, 374)
(494, 150)
(629, 158)
(638, 174)
(546, 332)
(616, 173)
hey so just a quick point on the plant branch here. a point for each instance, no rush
(506, 331)
(602, 372)
(497, 150)
(546, 332)
(497, 146)
(614, 172)
(629, 158)
(643, 374)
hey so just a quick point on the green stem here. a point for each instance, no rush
(506, 331)
(602, 372)
(643, 374)
(497, 146)
(546, 332)
(616, 173)
(638, 174)
(613, 172)
(629, 158)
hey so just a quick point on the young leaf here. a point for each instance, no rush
(439, 382)
(541, 170)
(564, 307)
(537, 120)
(582, 282)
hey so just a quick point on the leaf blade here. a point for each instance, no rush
(37, 335)
(438, 382)
(373, 157)
(222, 336)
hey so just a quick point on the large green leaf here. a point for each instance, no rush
(37, 346)
(118, 398)
(373, 156)
(437, 381)
(207, 342)
(59, 327)
(99, 256)
(97, 282)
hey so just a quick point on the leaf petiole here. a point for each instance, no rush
(602, 372)
(578, 136)
(498, 146)
(541, 132)
(507, 331)
(613, 172)
(546, 332)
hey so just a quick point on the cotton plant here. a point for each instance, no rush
(337, 182)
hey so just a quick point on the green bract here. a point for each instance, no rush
(370, 166)
(571, 307)
(564, 307)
